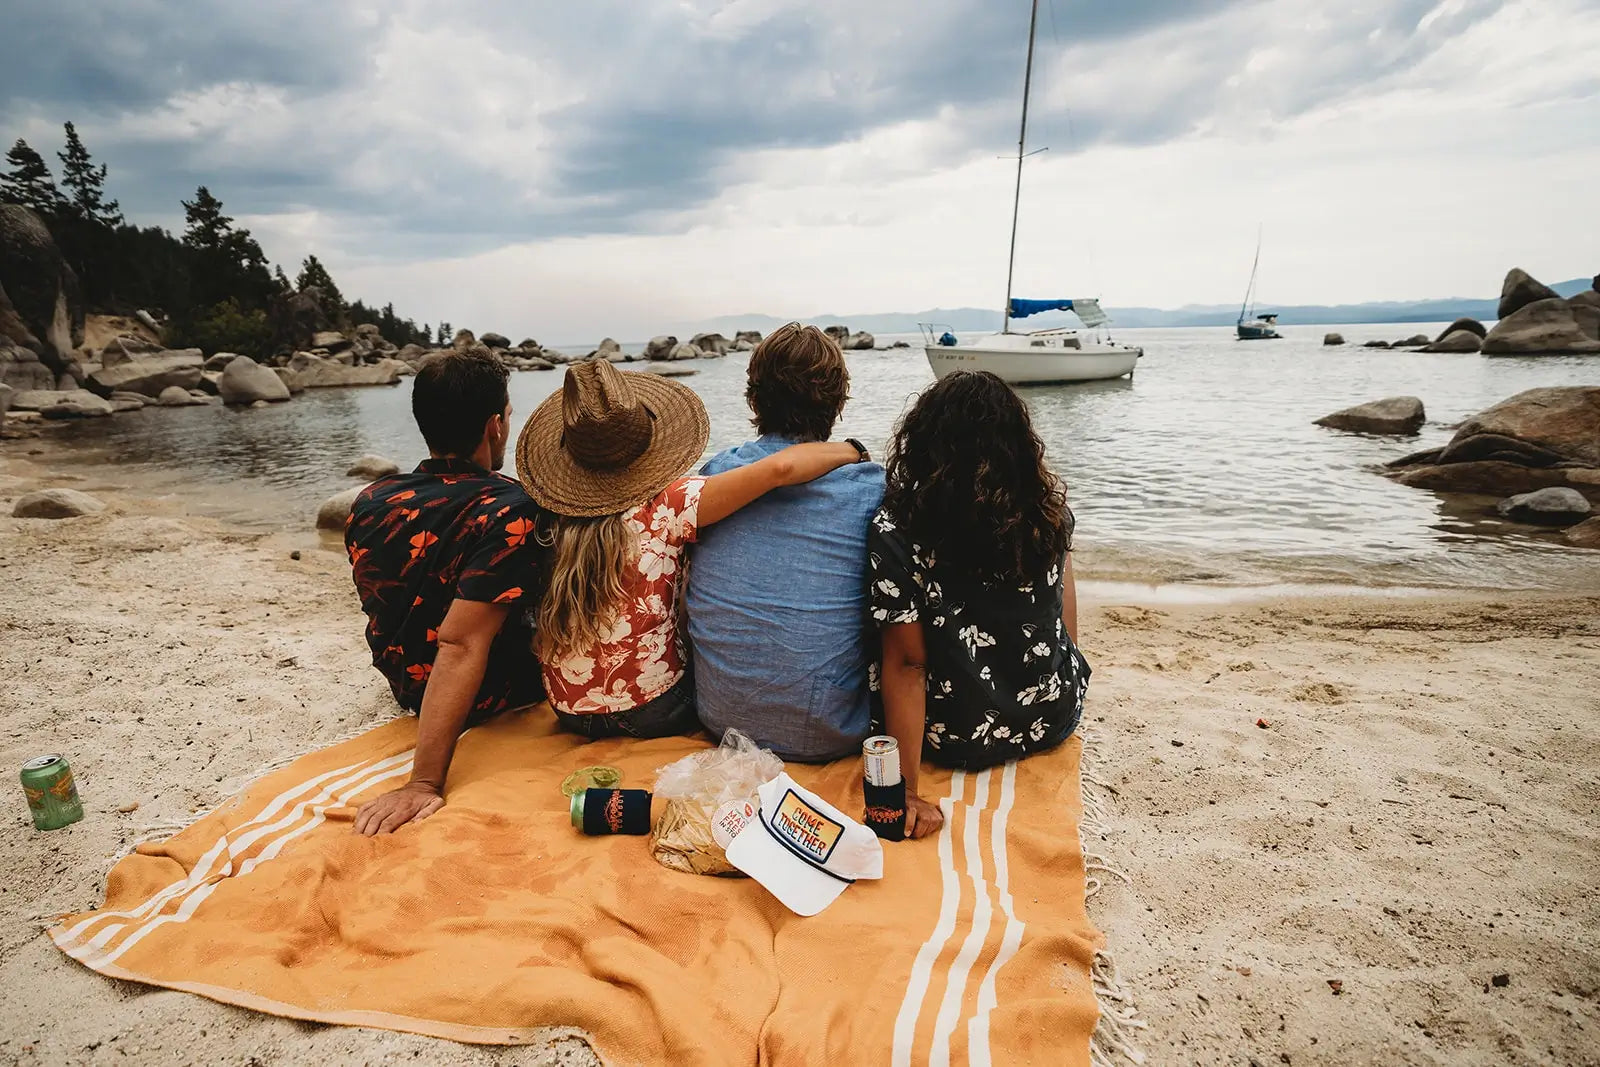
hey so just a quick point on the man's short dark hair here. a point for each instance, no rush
(797, 383)
(455, 395)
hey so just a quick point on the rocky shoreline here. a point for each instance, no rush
(1538, 451)
(1533, 319)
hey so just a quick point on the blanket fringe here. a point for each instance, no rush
(1111, 1044)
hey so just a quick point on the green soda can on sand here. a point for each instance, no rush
(52, 795)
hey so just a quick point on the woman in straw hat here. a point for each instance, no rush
(609, 455)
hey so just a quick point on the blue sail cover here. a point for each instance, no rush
(1021, 309)
(1087, 310)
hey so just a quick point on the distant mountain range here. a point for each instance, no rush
(1442, 310)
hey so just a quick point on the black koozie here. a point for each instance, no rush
(616, 811)
(886, 809)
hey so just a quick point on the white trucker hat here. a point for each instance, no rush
(803, 849)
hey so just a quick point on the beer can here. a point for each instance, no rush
(883, 788)
(52, 794)
(881, 756)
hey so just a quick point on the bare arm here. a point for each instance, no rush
(905, 712)
(1069, 599)
(725, 493)
(465, 636)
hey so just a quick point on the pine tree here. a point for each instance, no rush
(207, 227)
(228, 263)
(86, 182)
(282, 280)
(312, 272)
(445, 334)
(29, 182)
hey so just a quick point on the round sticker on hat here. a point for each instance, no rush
(729, 819)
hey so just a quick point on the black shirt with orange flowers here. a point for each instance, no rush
(448, 531)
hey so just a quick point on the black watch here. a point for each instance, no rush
(861, 448)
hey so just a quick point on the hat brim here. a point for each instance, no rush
(799, 886)
(561, 484)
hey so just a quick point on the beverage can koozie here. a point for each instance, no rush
(612, 811)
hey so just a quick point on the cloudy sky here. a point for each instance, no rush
(574, 169)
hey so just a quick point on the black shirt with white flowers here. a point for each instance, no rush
(1004, 678)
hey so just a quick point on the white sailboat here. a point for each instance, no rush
(1058, 355)
(1262, 327)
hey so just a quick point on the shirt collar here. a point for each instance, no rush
(449, 465)
(777, 440)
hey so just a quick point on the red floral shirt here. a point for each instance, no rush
(642, 657)
(448, 531)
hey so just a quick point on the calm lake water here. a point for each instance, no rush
(1204, 467)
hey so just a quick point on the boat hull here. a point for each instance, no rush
(1249, 332)
(1035, 366)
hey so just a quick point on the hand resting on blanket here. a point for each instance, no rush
(465, 637)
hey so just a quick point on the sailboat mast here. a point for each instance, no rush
(1251, 287)
(1022, 148)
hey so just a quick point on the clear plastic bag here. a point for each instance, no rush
(694, 788)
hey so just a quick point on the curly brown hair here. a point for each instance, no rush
(966, 480)
(797, 383)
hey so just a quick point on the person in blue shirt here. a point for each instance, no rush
(777, 591)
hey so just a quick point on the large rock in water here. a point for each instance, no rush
(1585, 535)
(151, 375)
(244, 381)
(712, 344)
(175, 396)
(751, 337)
(1544, 427)
(335, 511)
(1459, 341)
(373, 467)
(859, 342)
(1586, 315)
(1519, 290)
(314, 372)
(840, 334)
(40, 289)
(1333, 338)
(56, 504)
(1392, 415)
(1539, 438)
(659, 346)
(496, 340)
(1549, 325)
(6, 393)
(77, 404)
(1546, 507)
(1470, 325)
(683, 351)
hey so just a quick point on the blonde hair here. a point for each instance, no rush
(588, 583)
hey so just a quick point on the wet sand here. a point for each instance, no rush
(1418, 815)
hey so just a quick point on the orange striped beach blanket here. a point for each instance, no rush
(495, 918)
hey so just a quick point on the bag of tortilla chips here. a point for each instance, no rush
(695, 789)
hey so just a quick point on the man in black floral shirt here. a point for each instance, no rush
(446, 563)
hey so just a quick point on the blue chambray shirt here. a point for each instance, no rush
(777, 605)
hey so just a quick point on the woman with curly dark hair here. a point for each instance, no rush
(972, 587)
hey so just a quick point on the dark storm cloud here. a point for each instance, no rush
(90, 55)
(663, 96)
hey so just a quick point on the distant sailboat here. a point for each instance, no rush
(1059, 355)
(1261, 327)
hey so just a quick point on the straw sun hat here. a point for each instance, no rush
(609, 441)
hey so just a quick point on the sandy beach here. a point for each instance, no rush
(1335, 820)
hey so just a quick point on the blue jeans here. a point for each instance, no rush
(668, 715)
